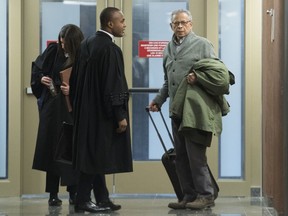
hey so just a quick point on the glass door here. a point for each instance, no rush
(236, 167)
(10, 88)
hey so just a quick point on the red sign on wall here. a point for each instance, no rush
(151, 49)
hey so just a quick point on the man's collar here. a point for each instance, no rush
(112, 36)
(178, 41)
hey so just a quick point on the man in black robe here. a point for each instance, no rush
(99, 92)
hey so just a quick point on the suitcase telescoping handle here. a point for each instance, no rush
(157, 131)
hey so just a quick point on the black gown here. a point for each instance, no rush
(52, 113)
(100, 94)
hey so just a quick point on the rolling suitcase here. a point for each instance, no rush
(168, 161)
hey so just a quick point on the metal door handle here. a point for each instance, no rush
(271, 13)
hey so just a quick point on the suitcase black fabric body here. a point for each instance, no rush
(168, 161)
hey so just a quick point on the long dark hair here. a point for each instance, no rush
(72, 36)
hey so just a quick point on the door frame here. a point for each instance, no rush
(12, 185)
(23, 114)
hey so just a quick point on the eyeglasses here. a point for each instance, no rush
(183, 23)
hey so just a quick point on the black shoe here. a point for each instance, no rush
(110, 205)
(89, 207)
(55, 202)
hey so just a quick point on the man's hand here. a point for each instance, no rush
(153, 107)
(191, 78)
(122, 126)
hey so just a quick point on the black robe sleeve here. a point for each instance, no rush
(80, 64)
(41, 67)
(115, 86)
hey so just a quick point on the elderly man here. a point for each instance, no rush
(191, 142)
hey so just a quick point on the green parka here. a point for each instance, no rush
(201, 105)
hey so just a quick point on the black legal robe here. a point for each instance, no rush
(52, 113)
(99, 93)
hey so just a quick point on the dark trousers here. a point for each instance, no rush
(52, 184)
(87, 182)
(100, 189)
(191, 166)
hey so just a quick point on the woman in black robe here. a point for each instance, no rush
(50, 92)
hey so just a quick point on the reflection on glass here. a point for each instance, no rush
(3, 89)
(151, 19)
(81, 13)
(231, 34)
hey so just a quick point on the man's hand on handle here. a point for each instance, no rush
(153, 107)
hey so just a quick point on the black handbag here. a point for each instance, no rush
(63, 151)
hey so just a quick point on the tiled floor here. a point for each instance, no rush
(136, 205)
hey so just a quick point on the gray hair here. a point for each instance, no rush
(181, 11)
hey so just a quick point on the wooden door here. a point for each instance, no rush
(272, 103)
